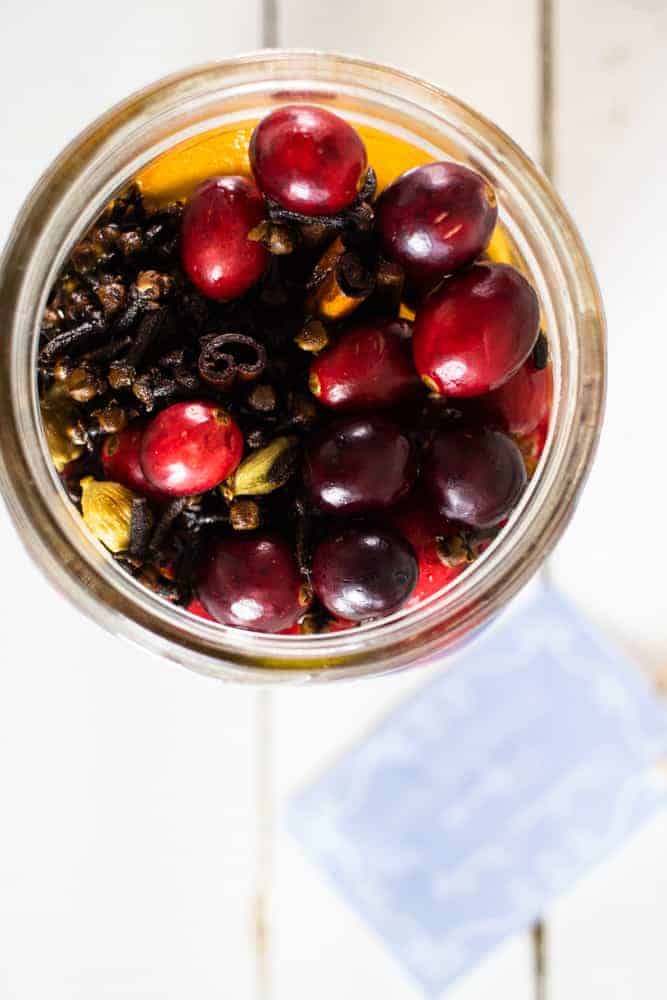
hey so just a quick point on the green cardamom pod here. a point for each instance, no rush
(107, 511)
(264, 470)
(59, 414)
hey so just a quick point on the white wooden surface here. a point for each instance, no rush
(611, 163)
(607, 938)
(141, 853)
(128, 791)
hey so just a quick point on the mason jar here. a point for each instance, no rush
(99, 163)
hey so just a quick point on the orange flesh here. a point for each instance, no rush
(176, 173)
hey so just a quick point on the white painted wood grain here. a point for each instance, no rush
(607, 939)
(611, 167)
(607, 936)
(128, 834)
(62, 65)
(481, 51)
(467, 50)
(128, 808)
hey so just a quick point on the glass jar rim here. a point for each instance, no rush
(56, 208)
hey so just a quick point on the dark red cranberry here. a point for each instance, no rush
(217, 255)
(121, 461)
(476, 330)
(252, 582)
(360, 463)
(435, 219)
(418, 521)
(364, 572)
(368, 367)
(190, 447)
(307, 159)
(475, 476)
(523, 402)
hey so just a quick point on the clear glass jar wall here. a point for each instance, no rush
(99, 163)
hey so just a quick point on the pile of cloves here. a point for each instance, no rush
(124, 335)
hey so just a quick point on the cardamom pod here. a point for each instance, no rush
(60, 415)
(107, 511)
(265, 470)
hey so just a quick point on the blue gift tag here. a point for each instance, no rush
(490, 792)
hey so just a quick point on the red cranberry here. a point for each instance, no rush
(475, 476)
(217, 255)
(340, 625)
(195, 607)
(476, 330)
(121, 461)
(532, 445)
(190, 447)
(417, 521)
(294, 629)
(368, 367)
(541, 434)
(364, 572)
(307, 159)
(252, 582)
(359, 464)
(435, 219)
(523, 402)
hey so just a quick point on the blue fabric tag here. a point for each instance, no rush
(480, 799)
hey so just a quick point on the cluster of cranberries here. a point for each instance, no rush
(401, 509)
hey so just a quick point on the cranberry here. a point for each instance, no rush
(476, 330)
(294, 629)
(475, 476)
(364, 572)
(121, 461)
(217, 255)
(532, 445)
(340, 625)
(523, 402)
(359, 464)
(190, 447)
(307, 159)
(252, 582)
(435, 219)
(195, 607)
(417, 520)
(369, 366)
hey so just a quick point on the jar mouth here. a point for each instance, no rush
(101, 161)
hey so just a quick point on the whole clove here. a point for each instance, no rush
(141, 528)
(244, 515)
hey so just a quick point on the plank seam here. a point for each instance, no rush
(548, 161)
(265, 836)
(546, 54)
(270, 24)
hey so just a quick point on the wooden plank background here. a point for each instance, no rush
(141, 850)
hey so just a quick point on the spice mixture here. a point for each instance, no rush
(288, 404)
